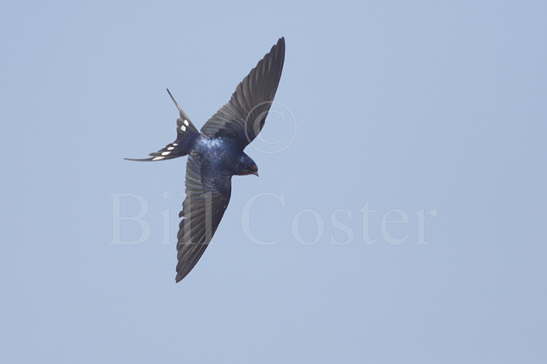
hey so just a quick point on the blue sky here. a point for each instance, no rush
(399, 215)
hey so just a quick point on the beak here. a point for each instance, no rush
(256, 174)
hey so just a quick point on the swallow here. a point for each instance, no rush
(216, 153)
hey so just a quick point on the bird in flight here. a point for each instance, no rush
(216, 153)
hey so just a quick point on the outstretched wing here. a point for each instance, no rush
(207, 196)
(242, 118)
(186, 134)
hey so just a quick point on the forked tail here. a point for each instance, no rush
(187, 134)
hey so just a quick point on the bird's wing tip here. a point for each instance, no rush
(138, 159)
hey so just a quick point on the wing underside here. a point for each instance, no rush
(242, 118)
(206, 200)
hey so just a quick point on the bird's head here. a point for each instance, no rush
(246, 166)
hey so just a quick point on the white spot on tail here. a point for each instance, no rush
(186, 122)
(183, 128)
(170, 148)
(157, 158)
(165, 153)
